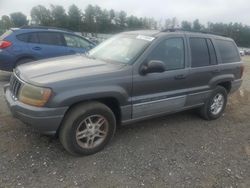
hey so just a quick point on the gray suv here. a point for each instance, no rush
(130, 77)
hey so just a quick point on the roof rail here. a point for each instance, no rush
(194, 31)
(44, 27)
(172, 30)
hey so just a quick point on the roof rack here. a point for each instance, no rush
(172, 30)
(44, 27)
(194, 31)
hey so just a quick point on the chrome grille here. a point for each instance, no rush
(15, 85)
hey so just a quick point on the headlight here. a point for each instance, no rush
(33, 95)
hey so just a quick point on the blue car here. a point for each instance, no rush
(26, 44)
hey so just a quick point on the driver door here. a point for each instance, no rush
(157, 93)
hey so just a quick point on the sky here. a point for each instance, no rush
(205, 10)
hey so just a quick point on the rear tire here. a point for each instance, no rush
(215, 105)
(87, 128)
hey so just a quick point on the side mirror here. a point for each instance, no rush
(153, 66)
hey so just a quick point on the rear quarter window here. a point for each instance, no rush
(228, 51)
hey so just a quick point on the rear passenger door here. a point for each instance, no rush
(203, 67)
(47, 44)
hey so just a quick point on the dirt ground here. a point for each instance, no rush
(179, 150)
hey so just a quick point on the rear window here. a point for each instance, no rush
(228, 51)
(51, 38)
(7, 33)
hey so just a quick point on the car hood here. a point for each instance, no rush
(63, 68)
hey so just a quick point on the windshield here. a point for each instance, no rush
(121, 48)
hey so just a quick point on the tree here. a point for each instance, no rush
(41, 16)
(106, 25)
(122, 19)
(98, 19)
(185, 25)
(196, 25)
(18, 19)
(171, 23)
(112, 16)
(89, 19)
(59, 16)
(5, 23)
(134, 23)
(74, 18)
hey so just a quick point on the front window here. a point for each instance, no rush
(121, 48)
(76, 42)
(170, 52)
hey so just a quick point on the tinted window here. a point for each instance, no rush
(51, 38)
(199, 52)
(228, 51)
(76, 42)
(33, 38)
(171, 52)
(213, 58)
(23, 37)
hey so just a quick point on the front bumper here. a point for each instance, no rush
(45, 120)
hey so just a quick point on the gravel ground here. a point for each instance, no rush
(179, 150)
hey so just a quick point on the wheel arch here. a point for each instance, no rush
(24, 57)
(111, 102)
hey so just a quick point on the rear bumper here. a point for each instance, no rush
(236, 85)
(7, 61)
(45, 120)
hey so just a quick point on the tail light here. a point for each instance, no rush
(241, 71)
(5, 44)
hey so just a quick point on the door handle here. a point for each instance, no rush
(179, 77)
(36, 48)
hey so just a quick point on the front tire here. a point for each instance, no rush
(87, 128)
(215, 105)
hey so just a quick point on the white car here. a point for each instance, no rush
(242, 52)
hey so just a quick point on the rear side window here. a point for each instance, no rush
(51, 38)
(199, 52)
(23, 37)
(228, 51)
(33, 38)
(213, 58)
